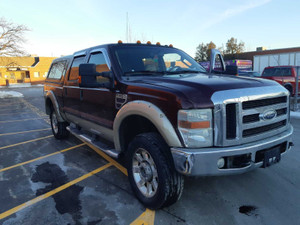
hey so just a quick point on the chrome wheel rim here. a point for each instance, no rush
(145, 172)
(54, 123)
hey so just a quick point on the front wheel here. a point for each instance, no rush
(59, 129)
(151, 171)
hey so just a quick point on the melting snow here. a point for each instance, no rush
(10, 94)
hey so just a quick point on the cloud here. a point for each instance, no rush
(232, 12)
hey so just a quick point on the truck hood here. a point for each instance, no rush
(197, 89)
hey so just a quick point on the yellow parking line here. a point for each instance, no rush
(22, 132)
(9, 121)
(146, 218)
(109, 159)
(25, 142)
(42, 157)
(8, 114)
(50, 193)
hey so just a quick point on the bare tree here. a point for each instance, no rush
(11, 38)
(203, 51)
(233, 47)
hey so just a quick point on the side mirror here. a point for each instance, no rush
(231, 70)
(217, 64)
(88, 76)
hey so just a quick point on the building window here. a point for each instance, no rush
(12, 76)
(36, 74)
(0, 75)
(27, 74)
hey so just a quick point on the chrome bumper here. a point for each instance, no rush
(203, 162)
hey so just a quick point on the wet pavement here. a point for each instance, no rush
(49, 181)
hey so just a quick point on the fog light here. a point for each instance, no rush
(221, 163)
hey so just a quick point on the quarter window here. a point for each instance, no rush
(74, 73)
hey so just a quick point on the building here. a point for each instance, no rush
(262, 57)
(31, 69)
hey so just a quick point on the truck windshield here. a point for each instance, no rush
(154, 61)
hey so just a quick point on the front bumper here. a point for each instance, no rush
(203, 162)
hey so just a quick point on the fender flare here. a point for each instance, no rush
(50, 95)
(153, 114)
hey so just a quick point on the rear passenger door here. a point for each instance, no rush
(71, 91)
(98, 104)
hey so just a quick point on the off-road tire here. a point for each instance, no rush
(170, 182)
(59, 129)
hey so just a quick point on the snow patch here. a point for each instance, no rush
(295, 115)
(10, 94)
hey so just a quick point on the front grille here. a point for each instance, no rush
(246, 122)
(255, 117)
(231, 121)
(264, 102)
(262, 129)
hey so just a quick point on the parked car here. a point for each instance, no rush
(160, 112)
(248, 74)
(284, 75)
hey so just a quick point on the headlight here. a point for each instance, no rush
(195, 127)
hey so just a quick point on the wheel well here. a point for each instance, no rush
(49, 106)
(132, 126)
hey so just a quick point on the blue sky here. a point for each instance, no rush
(62, 27)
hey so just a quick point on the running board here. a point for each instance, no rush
(98, 144)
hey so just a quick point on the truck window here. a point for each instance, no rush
(101, 65)
(57, 70)
(74, 73)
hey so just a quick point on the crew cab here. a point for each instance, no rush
(161, 113)
(284, 75)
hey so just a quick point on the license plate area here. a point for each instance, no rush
(271, 157)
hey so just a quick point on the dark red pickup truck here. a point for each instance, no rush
(284, 75)
(165, 116)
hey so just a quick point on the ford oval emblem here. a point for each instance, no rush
(268, 115)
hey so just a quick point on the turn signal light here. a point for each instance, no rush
(79, 79)
(157, 43)
(148, 43)
(194, 125)
(120, 42)
(170, 45)
(139, 42)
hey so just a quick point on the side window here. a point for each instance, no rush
(101, 65)
(75, 68)
(57, 70)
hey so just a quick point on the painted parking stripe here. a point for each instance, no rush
(19, 113)
(25, 142)
(42, 157)
(147, 217)
(53, 192)
(109, 159)
(10, 121)
(23, 132)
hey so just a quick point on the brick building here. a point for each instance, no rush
(24, 69)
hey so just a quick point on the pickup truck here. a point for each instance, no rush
(285, 75)
(164, 116)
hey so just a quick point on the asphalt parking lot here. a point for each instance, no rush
(49, 181)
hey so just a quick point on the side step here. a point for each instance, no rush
(98, 144)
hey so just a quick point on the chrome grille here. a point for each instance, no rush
(240, 119)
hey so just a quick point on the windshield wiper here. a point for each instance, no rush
(141, 72)
(184, 71)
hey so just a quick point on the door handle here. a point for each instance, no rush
(81, 95)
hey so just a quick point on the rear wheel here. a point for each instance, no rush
(151, 171)
(59, 129)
